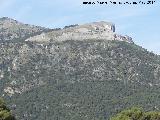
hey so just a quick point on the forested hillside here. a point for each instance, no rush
(88, 79)
(78, 80)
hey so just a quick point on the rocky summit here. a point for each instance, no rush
(12, 30)
(80, 72)
(96, 30)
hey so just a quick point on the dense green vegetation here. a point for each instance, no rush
(5, 113)
(136, 113)
(78, 80)
(74, 80)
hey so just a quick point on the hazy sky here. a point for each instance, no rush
(141, 22)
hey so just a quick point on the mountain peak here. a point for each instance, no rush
(7, 19)
(102, 25)
(11, 29)
(96, 30)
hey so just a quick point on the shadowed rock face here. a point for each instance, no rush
(96, 30)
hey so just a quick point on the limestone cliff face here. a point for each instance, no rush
(96, 30)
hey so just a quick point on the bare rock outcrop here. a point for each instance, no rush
(96, 30)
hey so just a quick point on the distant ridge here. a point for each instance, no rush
(12, 30)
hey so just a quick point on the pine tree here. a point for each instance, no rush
(5, 113)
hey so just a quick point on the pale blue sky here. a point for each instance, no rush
(141, 22)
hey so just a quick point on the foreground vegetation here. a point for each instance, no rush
(136, 113)
(5, 113)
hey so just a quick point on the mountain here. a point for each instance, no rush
(56, 76)
(95, 31)
(12, 30)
